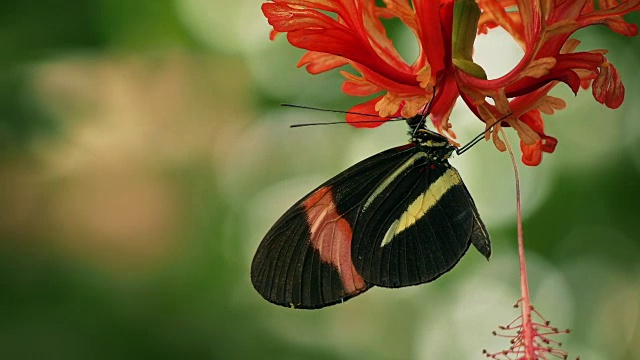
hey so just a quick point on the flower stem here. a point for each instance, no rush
(525, 301)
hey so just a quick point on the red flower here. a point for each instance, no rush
(444, 69)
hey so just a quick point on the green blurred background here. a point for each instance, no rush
(144, 155)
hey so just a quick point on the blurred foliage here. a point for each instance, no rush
(144, 156)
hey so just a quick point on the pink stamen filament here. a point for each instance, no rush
(524, 281)
(530, 341)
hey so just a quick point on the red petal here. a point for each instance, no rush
(622, 27)
(359, 89)
(534, 120)
(610, 14)
(364, 116)
(434, 17)
(529, 85)
(531, 154)
(549, 144)
(563, 71)
(444, 101)
(389, 84)
(607, 88)
(317, 62)
(312, 30)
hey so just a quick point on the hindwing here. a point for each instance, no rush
(416, 225)
(305, 260)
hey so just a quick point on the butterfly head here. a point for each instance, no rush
(430, 141)
(433, 143)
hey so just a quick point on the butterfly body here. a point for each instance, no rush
(399, 218)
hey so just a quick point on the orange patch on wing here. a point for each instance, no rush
(331, 235)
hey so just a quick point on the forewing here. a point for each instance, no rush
(305, 260)
(417, 226)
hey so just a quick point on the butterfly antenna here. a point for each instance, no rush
(378, 118)
(479, 137)
(344, 122)
(330, 110)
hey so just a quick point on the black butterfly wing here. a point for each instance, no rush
(417, 225)
(305, 260)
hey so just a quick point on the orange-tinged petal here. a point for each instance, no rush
(412, 106)
(359, 115)
(569, 46)
(622, 27)
(443, 103)
(525, 133)
(445, 129)
(434, 32)
(312, 30)
(486, 114)
(502, 104)
(358, 85)
(425, 77)
(403, 11)
(549, 144)
(499, 144)
(495, 12)
(561, 27)
(549, 104)
(539, 67)
(377, 37)
(607, 88)
(531, 154)
(610, 14)
(388, 105)
(317, 62)
(534, 120)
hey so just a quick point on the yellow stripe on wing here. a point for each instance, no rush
(410, 162)
(422, 204)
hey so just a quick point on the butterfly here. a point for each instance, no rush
(399, 218)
